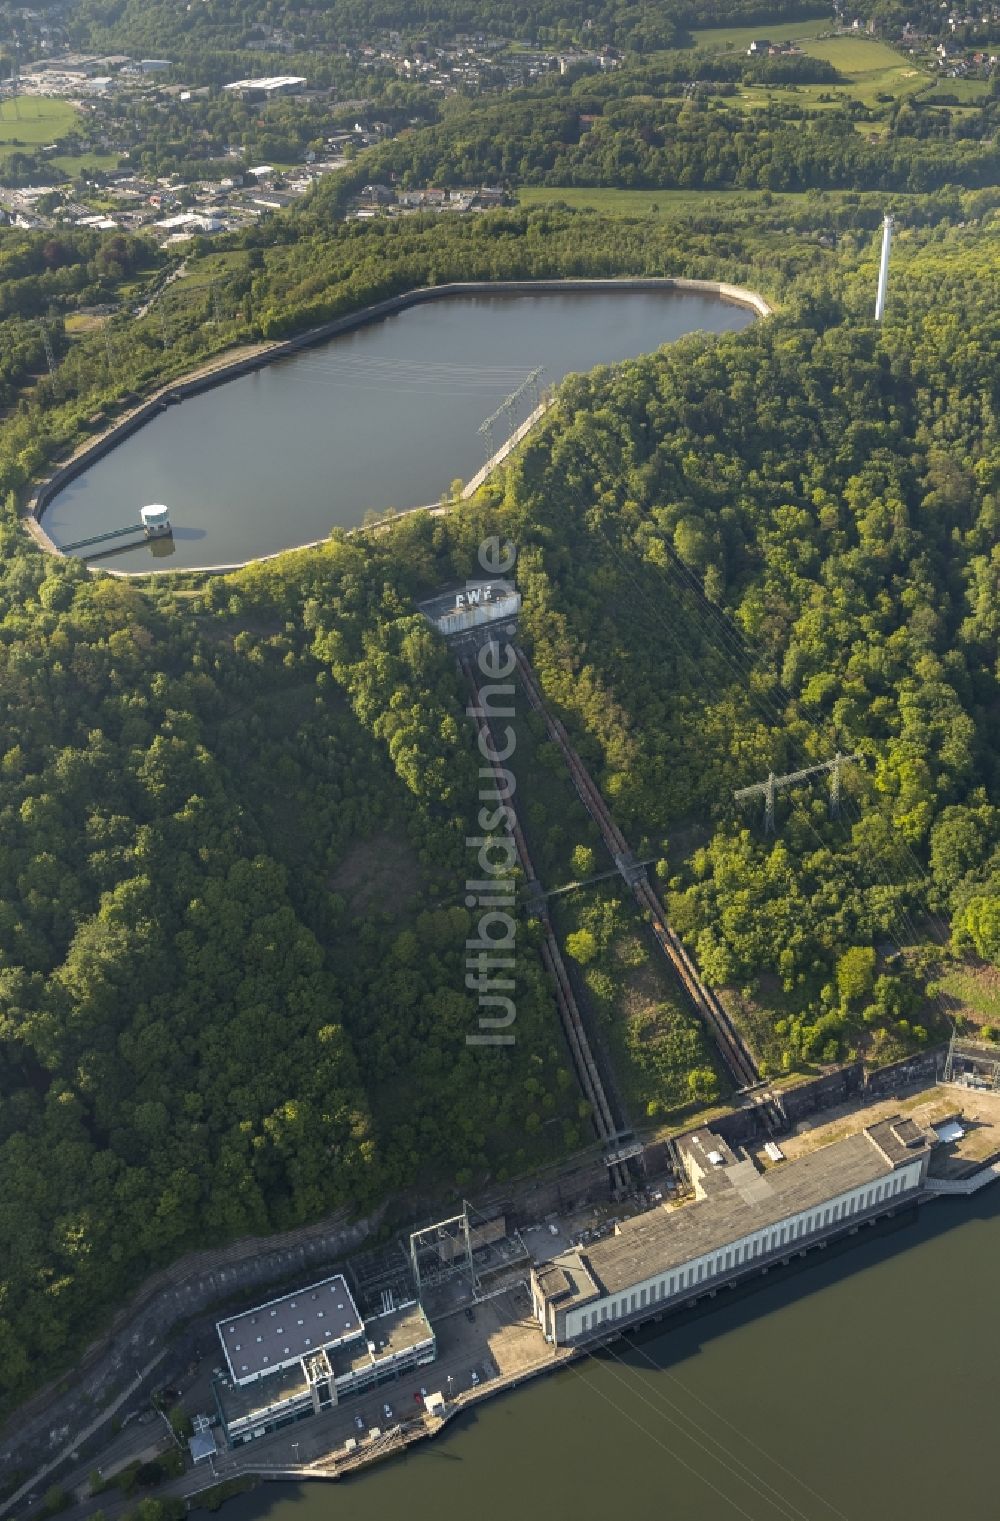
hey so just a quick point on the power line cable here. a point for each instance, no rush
(756, 1482)
(717, 1416)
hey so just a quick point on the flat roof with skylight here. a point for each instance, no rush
(277, 1334)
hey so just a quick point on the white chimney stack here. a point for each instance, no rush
(883, 272)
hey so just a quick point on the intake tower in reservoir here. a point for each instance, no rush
(154, 523)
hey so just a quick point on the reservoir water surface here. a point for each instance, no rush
(385, 416)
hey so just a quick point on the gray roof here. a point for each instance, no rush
(278, 1333)
(385, 1336)
(445, 602)
(565, 1277)
(664, 1239)
(896, 1138)
(202, 1445)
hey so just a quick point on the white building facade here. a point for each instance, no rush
(787, 1236)
(645, 1267)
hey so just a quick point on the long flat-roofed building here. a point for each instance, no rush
(266, 89)
(740, 1221)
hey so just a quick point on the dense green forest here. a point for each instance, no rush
(764, 548)
(232, 921)
(553, 137)
(152, 27)
(735, 553)
(210, 1024)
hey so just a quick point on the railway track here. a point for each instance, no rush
(569, 1012)
(730, 1045)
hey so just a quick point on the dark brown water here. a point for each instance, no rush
(863, 1388)
(387, 416)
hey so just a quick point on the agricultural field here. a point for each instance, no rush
(30, 120)
(732, 39)
(871, 70)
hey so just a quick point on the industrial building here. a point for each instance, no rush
(266, 89)
(471, 606)
(305, 1352)
(741, 1221)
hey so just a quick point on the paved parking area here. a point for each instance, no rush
(477, 1344)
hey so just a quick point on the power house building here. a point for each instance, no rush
(740, 1222)
(308, 1350)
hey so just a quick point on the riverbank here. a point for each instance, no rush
(960, 1123)
(489, 1342)
(759, 1396)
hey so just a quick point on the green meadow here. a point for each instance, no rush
(870, 70)
(732, 39)
(656, 203)
(30, 120)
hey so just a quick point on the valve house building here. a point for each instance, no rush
(740, 1222)
(474, 605)
(306, 1351)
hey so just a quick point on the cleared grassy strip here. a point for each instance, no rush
(806, 97)
(663, 204)
(83, 163)
(973, 990)
(871, 90)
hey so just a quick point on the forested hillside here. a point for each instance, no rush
(215, 1017)
(222, 28)
(234, 813)
(205, 1030)
(759, 550)
(560, 139)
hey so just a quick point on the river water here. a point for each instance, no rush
(386, 416)
(862, 1387)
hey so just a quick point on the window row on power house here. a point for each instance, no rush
(741, 1217)
(742, 1253)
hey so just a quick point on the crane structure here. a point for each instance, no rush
(772, 785)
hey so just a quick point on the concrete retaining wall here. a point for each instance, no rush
(175, 392)
(471, 487)
(852, 1082)
(178, 1294)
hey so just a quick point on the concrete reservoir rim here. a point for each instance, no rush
(207, 379)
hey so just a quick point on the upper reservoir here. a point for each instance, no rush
(385, 416)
